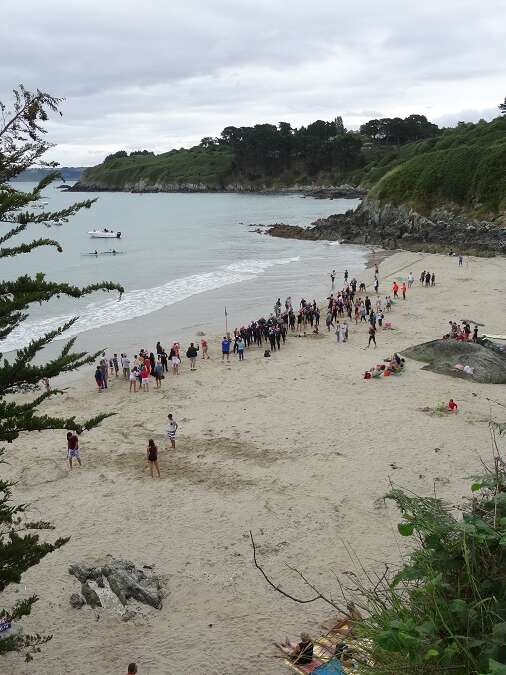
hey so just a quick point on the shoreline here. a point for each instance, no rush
(314, 191)
(297, 448)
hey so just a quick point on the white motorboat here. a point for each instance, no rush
(104, 234)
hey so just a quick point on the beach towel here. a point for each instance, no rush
(332, 667)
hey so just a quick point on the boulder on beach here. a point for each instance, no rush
(486, 360)
(122, 579)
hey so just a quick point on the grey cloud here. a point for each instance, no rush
(161, 74)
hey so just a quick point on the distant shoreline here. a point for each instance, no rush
(315, 191)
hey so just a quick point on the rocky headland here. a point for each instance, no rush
(400, 227)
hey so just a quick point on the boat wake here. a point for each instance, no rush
(140, 302)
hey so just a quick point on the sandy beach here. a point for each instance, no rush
(297, 448)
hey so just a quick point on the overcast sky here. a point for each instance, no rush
(159, 74)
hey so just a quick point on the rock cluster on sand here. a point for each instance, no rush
(122, 578)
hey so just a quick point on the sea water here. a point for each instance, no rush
(182, 259)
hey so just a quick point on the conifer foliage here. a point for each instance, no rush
(23, 144)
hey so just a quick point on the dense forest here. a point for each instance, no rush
(265, 154)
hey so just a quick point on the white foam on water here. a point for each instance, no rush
(334, 243)
(141, 302)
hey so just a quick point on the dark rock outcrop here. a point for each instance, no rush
(77, 601)
(124, 579)
(339, 192)
(90, 595)
(487, 360)
(394, 227)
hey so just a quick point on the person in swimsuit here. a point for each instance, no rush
(300, 653)
(171, 430)
(73, 449)
(152, 458)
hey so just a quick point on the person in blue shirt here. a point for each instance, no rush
(225, 349)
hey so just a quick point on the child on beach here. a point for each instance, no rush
(205, 347)
(73, 449)
(171, 430)
(152, 458)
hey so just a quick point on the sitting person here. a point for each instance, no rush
(301, 653)
(452, 406)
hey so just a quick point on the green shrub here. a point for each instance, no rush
(445, 610)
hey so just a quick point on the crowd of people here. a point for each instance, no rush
(462, 332)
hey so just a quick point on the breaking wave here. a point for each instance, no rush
(141, 302)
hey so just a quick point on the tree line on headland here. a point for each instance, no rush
(268, 150)
(269, 156)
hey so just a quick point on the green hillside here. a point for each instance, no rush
(402, 161)
(177, 167)
(465, 166)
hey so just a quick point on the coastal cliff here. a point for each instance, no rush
(401, 227)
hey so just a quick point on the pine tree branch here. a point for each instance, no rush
(27, 248)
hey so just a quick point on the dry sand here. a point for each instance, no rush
(298, 448)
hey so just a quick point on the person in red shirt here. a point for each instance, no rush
(145, 378)
(395, 289)
(452, 406)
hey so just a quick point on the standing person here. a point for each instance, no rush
(115, 364)
(158, 372)
(333, 277)
(422, 277)
(171, 430)
(191, 353)
(225, 349)
(395, 289)
(240, 348)
(159, 348)
(164, 359)
(338, 332)
(376, 285)
(403, 290)
(175, 360)
(475, 334)
(433, 279)
(103, 368)
(461, 260)
(145, 378)
(133, 377)
(73, 449)
(205, 347)
(411, 278)
(372, 335)
(98, 378)
(125, 365)
(345, 276)
(344, 331)
(152, 458)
